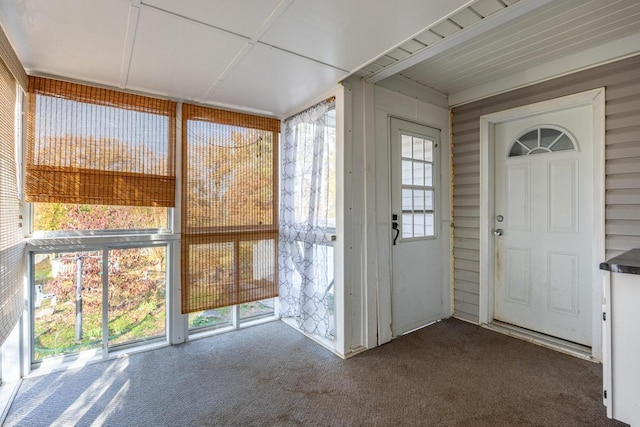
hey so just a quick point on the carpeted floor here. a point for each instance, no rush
(451, 373)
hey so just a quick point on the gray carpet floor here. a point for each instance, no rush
(451, 373)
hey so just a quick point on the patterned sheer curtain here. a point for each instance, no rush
(307, 220)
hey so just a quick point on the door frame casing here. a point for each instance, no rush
(594, 98)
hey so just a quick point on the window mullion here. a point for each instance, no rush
(105, 302)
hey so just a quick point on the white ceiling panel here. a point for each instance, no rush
(241, 17)
(276, 55)
(74, 38)
(274, 81)
(348, 34)
(181, 63)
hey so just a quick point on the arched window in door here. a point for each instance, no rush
(543, 139)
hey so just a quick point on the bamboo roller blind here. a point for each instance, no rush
(11, 241)
(10, 59)
(98, 146)
(229, 208)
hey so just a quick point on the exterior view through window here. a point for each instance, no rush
(100, 179)
(69, 300)
(55, 217)
(97, 163)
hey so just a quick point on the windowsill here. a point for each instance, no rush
(59, 364)
(90, 357)
(195, 335)
(53, 242)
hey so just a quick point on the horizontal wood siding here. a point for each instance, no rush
(622, 156)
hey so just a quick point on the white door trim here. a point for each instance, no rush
(596, 99)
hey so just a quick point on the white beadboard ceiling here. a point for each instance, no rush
(561, 37)
(275, 56)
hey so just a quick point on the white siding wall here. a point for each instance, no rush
(622, 153)
(370, 210)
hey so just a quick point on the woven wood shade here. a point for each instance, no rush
(98, 146)
(229, 208)
(11, 241)
(10, 59)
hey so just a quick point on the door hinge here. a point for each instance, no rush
(604, 316)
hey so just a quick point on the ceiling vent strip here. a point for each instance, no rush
(464, 18)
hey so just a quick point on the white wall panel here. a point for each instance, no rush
(372, 108)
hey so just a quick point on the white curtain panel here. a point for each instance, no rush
(307, 220)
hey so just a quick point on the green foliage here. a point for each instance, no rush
(136, 300)
(219, 316)
(62, 216)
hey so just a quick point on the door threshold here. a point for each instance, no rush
(557, 344)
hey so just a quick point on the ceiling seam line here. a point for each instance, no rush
(273, 17)
(248, 39)
(130, 39)
(301, 56)
(186, 18)
(248, 47)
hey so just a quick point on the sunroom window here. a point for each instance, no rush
(229, 216)
(97, 162)
(98, 159)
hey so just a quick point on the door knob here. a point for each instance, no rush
(498, 232)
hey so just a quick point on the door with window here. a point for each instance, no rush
(543, 224)
(416, 289)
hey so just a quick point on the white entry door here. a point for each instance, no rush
(543, 223)
(417, 261)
